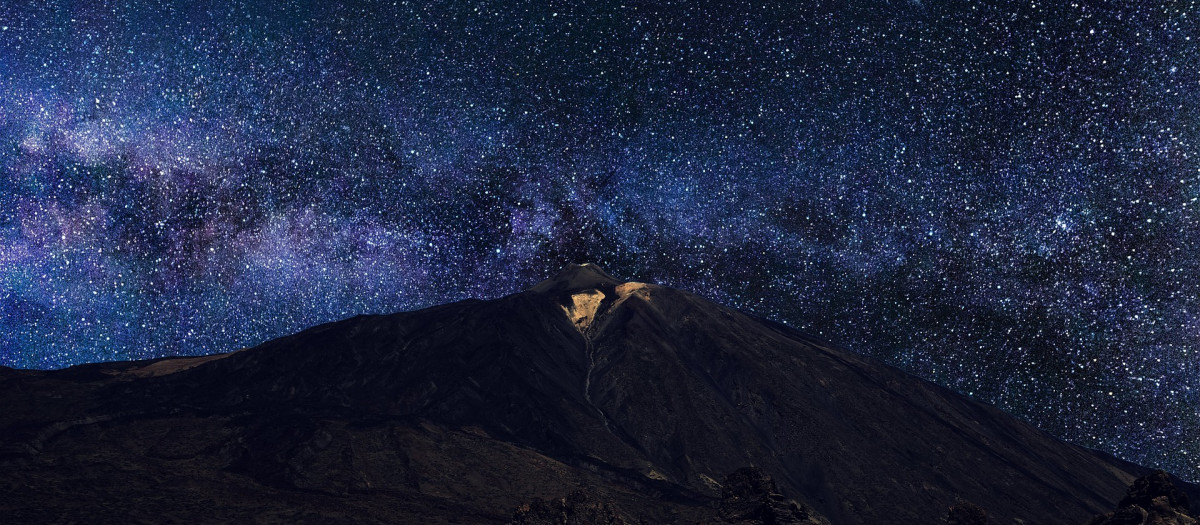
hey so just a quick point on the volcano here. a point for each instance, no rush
(637, 400)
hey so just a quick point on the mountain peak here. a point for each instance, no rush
(464, 410)
(575, 277)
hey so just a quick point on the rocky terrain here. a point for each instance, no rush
(1151, 500)
(583, 399)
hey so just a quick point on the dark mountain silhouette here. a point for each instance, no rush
(627, 401)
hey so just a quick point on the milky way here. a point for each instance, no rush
(997, 196)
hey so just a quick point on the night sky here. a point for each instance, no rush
(998, 196)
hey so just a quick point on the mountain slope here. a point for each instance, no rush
(642, 395)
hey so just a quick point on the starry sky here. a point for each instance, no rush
(998, 196)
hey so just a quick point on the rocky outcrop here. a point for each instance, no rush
(1151, 500)
(750, 497)
(577, 508)
(966, 513)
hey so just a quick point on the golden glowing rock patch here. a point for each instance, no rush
(582, 308)
(626, 289)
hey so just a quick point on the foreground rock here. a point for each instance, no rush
(966, 513)
(750, 497)
(1151, 500)
(577, 508)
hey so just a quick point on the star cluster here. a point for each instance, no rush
(998, 196)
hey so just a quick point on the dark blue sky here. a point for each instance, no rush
(997, 196)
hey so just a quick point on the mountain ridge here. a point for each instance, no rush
(643, 393)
